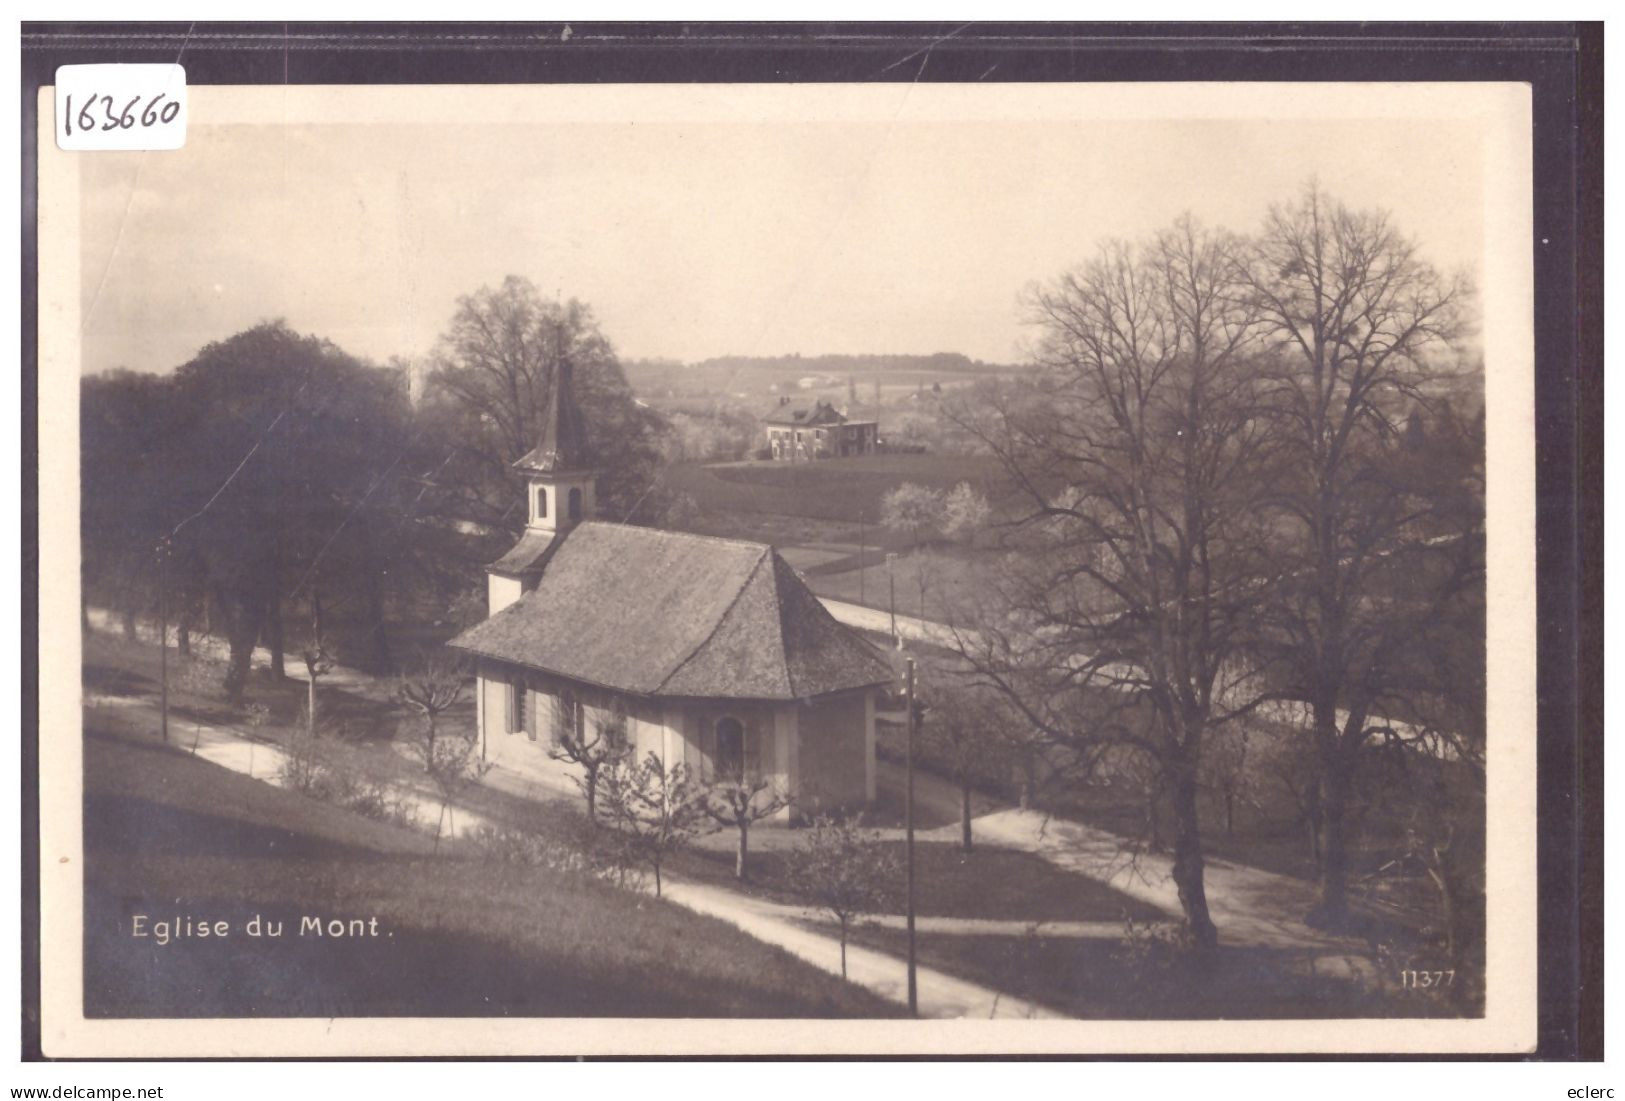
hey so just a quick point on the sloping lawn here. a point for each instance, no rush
(180, 841)
(1097, 979)
(985, 883)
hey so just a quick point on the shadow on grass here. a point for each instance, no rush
(1098, 979)
(173, 839)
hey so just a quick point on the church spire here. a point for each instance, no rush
(562, 443)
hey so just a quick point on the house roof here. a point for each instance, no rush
(800, 413)
(562, 443)
(663, 613)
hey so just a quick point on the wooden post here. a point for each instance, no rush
(163, 639)
(908, 845)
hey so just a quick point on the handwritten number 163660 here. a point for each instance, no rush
(111, 118)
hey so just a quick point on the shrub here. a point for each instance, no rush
(304, 767)
(1151, 947)
(587, 851)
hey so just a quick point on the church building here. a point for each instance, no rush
(707, 652)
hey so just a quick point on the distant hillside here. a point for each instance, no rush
(937, 362)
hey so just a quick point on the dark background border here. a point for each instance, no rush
(1561, 61)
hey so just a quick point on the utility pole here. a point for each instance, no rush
(163, 638)
(908, 846)
(891, 583)
(860, 557)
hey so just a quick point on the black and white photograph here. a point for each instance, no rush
(551, 569)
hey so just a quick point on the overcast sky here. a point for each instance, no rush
(697, 239)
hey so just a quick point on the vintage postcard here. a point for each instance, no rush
(1026, 568)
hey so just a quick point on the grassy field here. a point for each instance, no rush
(176, 839)
(986, 883)
(1101, 979)
(843, 490)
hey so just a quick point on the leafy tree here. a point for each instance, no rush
(965, 513)
(490, 389)
(842, 869)
(913, 510)
(656, 809)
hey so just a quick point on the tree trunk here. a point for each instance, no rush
(1188, 863)
(273, 634)
(964, 817)
(1333, 909)
(183, 639)
(843, 948)
(744, 843)
(242, 628)
(310, 710)
(129, 623)
(1230, 814)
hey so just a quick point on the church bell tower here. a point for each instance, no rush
(559, 493)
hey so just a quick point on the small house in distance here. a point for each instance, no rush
(797, 431)
(706, 652)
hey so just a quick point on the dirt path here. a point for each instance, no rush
(940, 995)
(879, 622)
(1250, 906)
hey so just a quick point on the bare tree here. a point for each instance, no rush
(738, 802)
(1137, 447)
(432, 689)
(318, 663)
(964, 730)
(1226, 769)
(842, 869)
(453, 764)
(593, 755)
(1352, 314)
(656, 809)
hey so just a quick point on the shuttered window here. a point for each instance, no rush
(517, 711)
(730, 756)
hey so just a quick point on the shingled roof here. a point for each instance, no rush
(798, 414)
(562, 444)
(663, 613)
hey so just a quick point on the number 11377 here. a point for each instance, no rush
(1424, 980)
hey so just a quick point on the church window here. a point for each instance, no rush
(730, 760)
(517, 699)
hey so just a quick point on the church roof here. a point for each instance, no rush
(562, 443)
(664, 613)
(526, 555)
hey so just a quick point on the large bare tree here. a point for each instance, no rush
(1137, 446)
(1358, 327)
